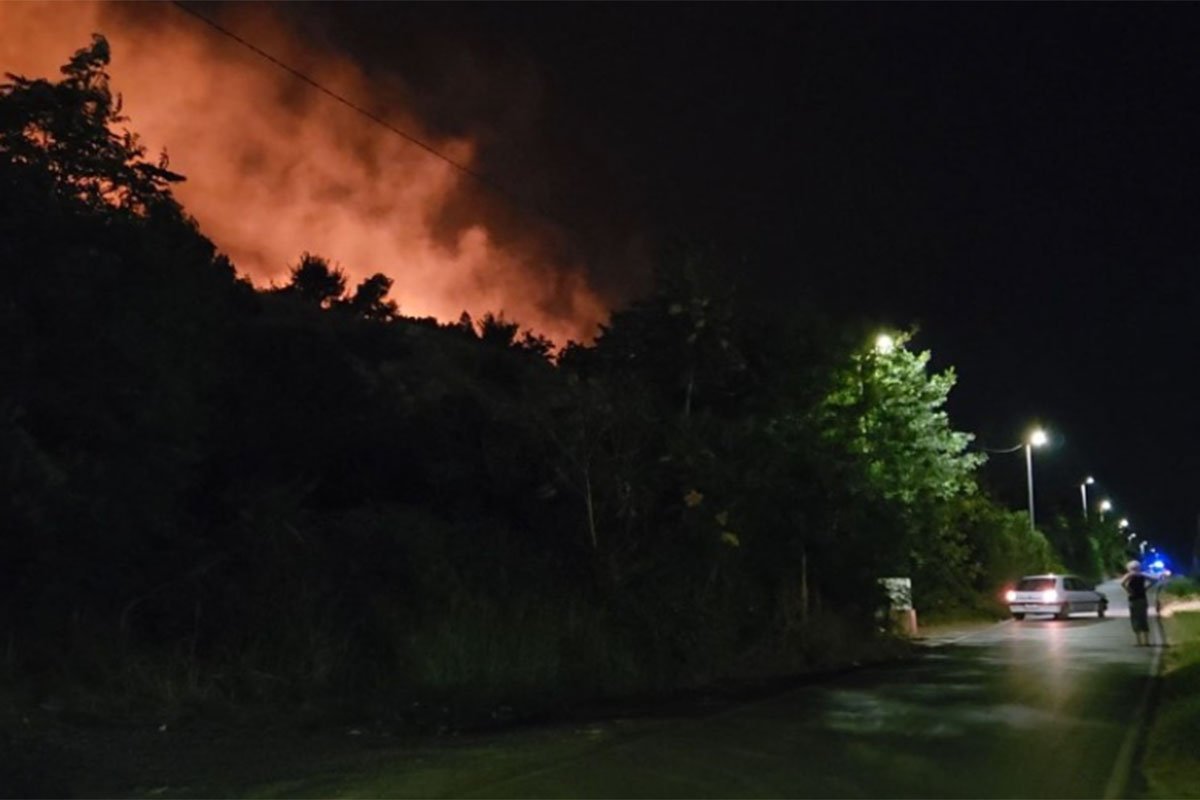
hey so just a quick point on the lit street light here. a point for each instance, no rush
(884, 344)
(1105, 505)
(1123, 524)
(1036, 439)
(1088, 481)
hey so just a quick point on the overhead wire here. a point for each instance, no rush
(479, 177)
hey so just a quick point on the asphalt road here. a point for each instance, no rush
(1039, 708)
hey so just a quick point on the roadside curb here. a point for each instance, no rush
(936, 641)
(1133, 745)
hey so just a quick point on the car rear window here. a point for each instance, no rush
(1035, 584)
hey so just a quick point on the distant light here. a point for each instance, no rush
(1089, 480)
(1010, 595)
(1038, 437)
(1157, 564)
(884, 344)
(1124, 523)
(1106, 505)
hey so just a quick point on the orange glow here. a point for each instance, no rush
(275, 168)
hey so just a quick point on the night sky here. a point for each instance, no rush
(1018, 181)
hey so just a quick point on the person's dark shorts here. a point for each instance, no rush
(1138, 615)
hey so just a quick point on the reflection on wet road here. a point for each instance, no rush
(1040, 708)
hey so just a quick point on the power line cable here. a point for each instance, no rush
(1003, 450)
(482, 179)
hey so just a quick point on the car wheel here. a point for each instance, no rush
(1018, 616)
(1101, 610)
(1063, 613)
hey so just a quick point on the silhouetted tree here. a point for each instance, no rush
(465, 326)
(537, 344)
(497, 331)
(681, 340)
(117, 313)
(68, 131)
(370, 298)
(315, 281)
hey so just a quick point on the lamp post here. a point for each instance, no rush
(1088, 481)
(1036, 439)
(1105, 505)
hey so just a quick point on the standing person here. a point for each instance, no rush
(1135, 585)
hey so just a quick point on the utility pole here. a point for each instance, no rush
(1029, 484)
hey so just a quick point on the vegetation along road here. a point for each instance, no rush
(1039, 708)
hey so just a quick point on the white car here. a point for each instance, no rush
(1060, 595)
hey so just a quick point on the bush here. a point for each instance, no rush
(1180, 586)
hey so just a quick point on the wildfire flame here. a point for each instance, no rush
(275, 167)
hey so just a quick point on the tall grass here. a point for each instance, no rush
(1172, 760)
(528, 650)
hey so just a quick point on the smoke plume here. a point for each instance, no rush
(274, 167)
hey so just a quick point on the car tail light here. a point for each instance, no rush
(1010, 595)
(1049, 596)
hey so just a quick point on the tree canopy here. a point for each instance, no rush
(303, 483)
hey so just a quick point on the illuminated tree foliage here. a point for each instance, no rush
(887, 414)
(888, 411)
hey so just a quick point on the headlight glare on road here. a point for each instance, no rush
(1010, 595)
(1049, 596)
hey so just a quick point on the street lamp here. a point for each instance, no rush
(1088, 481)
(1123, 524)
(1105, 505)
(884, 344)
(1036, 439)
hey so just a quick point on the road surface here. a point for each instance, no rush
(1039, 708)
